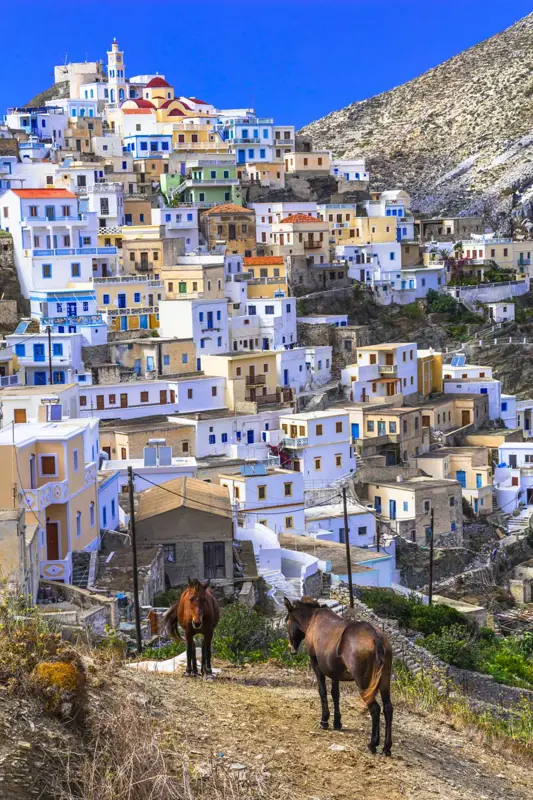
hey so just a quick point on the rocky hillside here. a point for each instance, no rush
(459, 137)
(56, 92)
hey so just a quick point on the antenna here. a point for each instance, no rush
(66, 56)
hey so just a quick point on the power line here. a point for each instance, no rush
(210, 507)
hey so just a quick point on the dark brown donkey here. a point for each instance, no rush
(197, 613)
(344, 651)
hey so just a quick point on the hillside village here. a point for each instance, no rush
(193, 315)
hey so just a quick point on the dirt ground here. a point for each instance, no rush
(262, 724)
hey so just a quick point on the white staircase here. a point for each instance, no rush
(281, 586)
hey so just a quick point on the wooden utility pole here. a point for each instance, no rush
(49, 332)
(347, 540)
(431, 541)
(134, 563)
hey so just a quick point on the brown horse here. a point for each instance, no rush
(344, 651)
(197, 613)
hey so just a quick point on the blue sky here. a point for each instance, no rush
(295, 60)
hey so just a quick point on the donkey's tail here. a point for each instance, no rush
(369, 694)
(170, 623)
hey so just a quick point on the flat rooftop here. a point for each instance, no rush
(332, 551)
(416, 483)
(30, 431)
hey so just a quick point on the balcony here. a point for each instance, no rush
(91, 473)
(120, 312)
(388, 369)
(82, 319)
(313, 245)
(252, 140)
(74, 251)
(62, 220)
(295, 443)
(256, 380)
(58, 570)
(141, 266)
(44, 496)
(113, 279)
(9, 380)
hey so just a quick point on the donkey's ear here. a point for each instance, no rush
(288, 605)
(206, 584)
(191, 583)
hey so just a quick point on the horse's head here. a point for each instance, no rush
(297, 619)
(197, 600)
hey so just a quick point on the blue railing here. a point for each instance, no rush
(76, 251)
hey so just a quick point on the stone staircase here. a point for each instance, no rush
(80, 569)
(280, 586)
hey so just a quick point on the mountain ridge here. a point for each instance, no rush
(459, 137)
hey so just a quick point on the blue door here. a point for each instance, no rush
(58, 377)
(144, 321)
(121, 300)
(210, 320)
(38, 352)
(123, 323)
(479, 480)
(72, 309)
(137, 366)
(250, 437)
(198, 364)
(476, 505)
(355, 430)
(150, 364)
(39, 378)
(265, 344)
(392, 509)
(460, 476)
(285, 377)
(241, 156)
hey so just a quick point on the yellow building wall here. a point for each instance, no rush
(266, 289)
(365, 230)
(76, 479)
(430, 374)
(81, 502)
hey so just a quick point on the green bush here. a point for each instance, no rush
(166, 651)
(454, 646)
(413, 311)
(167, 599)
(440, 303)
(389, 604)
(242, 635)
(279, 651)
(434, 619)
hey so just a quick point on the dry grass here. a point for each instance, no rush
(132, 759)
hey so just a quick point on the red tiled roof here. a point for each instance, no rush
(141, 103)
(176, 112)
(228, 208)
(199, 102)
(157, 83)
(36, 193)
(301, 218)
(158, 97)
(256, 261)
(184, 104)
(136, 110)
(168, 103)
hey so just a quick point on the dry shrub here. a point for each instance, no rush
(60, 685)
(130, 759)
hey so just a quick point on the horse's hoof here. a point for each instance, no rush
(372, 749)
(337, 726)
(324, 725)
(387, 752)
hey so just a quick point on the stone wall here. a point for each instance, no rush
(9, 282)
(312, 585)
(86, 600)
(476, 687)
(344, 341)
(8, 314)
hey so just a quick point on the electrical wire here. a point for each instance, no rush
(210, 507)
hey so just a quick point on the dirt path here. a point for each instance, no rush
(263, 723)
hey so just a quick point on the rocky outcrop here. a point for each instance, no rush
(459, 138)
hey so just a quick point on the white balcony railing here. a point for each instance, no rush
(59, 569)
(299, 441)
(44, 496)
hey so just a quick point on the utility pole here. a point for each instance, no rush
(347, 540)
(134, 563)
(430, 590)
(49, 332)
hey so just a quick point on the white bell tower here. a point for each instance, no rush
(116, 75)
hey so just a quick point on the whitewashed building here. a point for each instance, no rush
(204, 321)
(319, 445)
